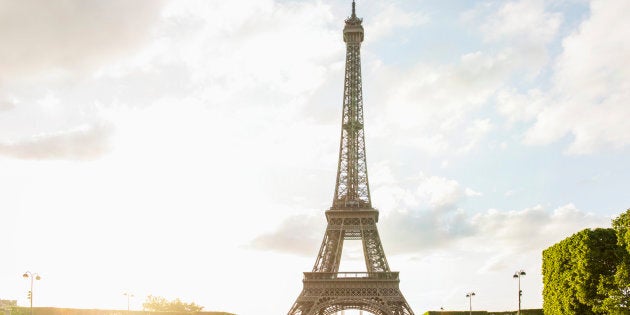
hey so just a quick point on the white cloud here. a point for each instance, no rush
(472, 193)
(49, 50)
(427, 107)
(525, 22)
(257, 62)
(594, 59)
(83, 143)
(476, 132)
(591, 85)
(439, 192)
(499, 232)
(391, 18)
(435, 103)
(411, 193)
(494, 245)
(522, 30)
(52, 38)
(425, 213)
(512, 230)
(298, 234)
(7, 103)
(519, 107)
(273, 53)
(423, 216)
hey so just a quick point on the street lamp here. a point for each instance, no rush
(33, 276)
(518, 275)
(129, 296)
(469, 295)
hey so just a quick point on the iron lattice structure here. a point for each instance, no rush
(352, 190)
(351, 217)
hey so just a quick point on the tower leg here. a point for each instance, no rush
(330, 251)
(372, 248)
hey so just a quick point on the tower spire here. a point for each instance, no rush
(352, 189)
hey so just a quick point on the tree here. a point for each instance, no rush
(579, 271)
(621, 224)
(617, 287)
(161, 304)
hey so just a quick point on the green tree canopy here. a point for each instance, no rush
(589, 272)
(577, 272)
(161, 304)
(621, 224)
(616, 288)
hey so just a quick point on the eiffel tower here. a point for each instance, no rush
(351, 217)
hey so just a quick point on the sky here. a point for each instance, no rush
(188, 149)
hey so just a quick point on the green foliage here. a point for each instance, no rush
(578, 272)
(17, 310)
(161, 304)
(621, 224)
(455, 313)
(617, 287)
(523, 312)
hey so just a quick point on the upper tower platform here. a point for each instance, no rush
(353, 31)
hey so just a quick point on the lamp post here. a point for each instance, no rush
(33, 276)
(129, 296)
(469, 295)
(518, 275)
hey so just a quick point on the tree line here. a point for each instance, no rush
(161, 304)
(588, 273)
